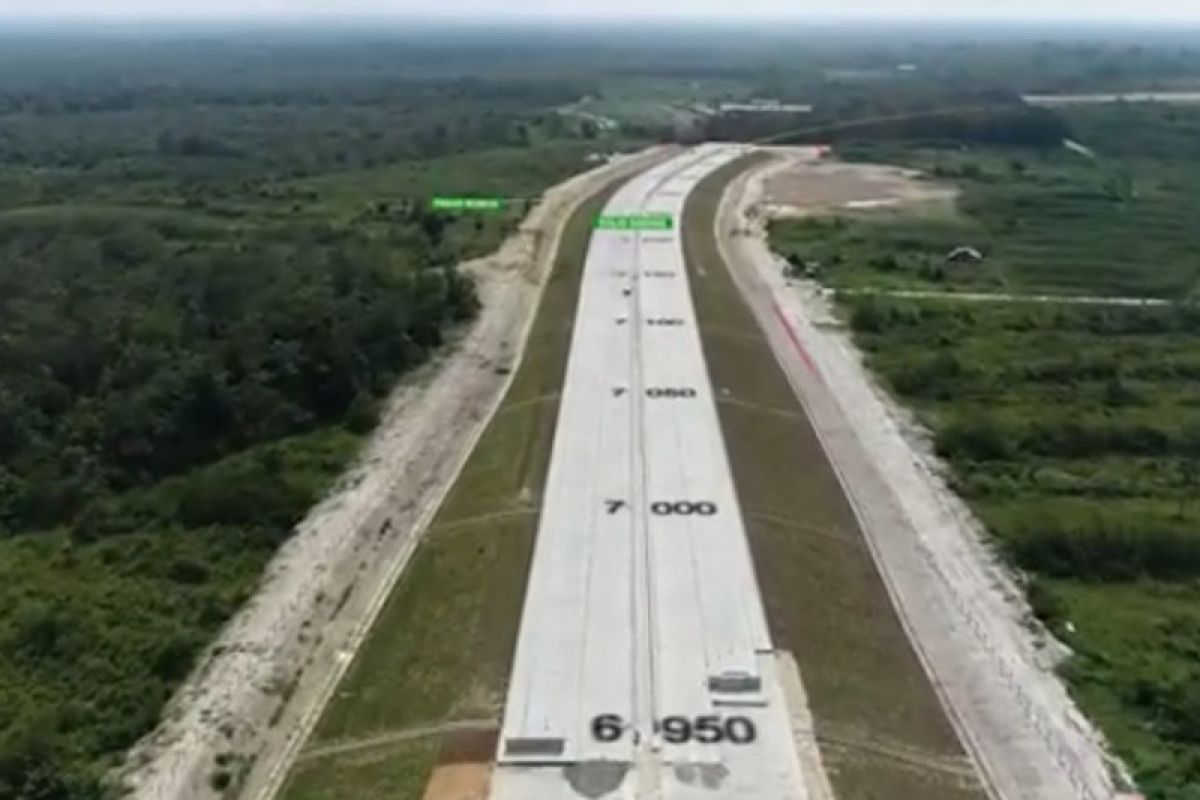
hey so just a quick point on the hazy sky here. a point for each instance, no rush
(480, 10)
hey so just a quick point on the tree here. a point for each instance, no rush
(1189, 482)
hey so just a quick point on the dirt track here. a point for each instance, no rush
(961, 608)
(258, 689)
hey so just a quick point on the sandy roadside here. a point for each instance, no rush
(259, 688)
(962, 608)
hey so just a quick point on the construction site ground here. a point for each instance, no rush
(818, 188)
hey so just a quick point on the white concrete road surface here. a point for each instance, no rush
(643, 666)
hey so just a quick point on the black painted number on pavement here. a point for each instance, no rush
(607, 727)
(708, 729)
(683, 508)
(670, 392)
(705, 729)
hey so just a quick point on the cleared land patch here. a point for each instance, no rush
(818, 188)
(443, 644)
(881, 729)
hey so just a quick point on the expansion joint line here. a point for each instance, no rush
(645, 622)
(643, 605)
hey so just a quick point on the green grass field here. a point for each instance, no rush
(443, 644)
(379, 773)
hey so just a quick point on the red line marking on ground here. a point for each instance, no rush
(791, 332)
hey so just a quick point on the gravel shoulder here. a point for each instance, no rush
(962, 608)
(259, 688)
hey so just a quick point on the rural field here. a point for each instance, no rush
(1073, 431)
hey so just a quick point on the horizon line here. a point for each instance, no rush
(325, 16)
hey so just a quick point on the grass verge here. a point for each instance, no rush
(384, 773)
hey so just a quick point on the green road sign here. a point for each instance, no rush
(467, 204)
(635, 222)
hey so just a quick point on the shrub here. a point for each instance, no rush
(1047, 605)
(363, 414)
(867, 315)
(1106, 551)
(978, 437)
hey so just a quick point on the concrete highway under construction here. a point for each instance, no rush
(689, 557)
(644, 665)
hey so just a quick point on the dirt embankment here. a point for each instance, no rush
(235, 725)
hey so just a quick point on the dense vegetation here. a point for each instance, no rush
(1073, 430)
(1075, 435)
(135, 350)
(208, 280)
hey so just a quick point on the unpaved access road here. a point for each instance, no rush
(961, 608)
(256, 692)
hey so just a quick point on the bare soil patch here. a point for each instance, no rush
(808, 188)
(464, 769)
(469, 746)
(460, 781)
